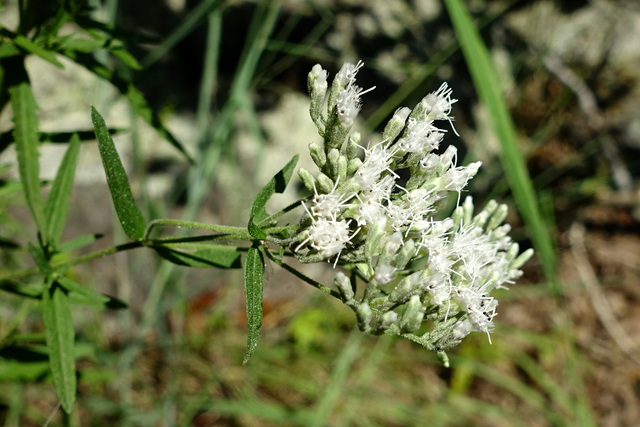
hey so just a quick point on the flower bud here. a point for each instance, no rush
(353, 146)
(324, 183)
(332, 158)
(396, 124)
(344, 286)
(307, 179)
(317, 154)
(524, 257)
(402, 292)
(413, 315)
(343, 166)
(374, 238)
(364, 315)
(498, 217)
(353, 165)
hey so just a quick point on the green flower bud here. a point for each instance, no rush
(524, 257)
(344, 286)
(396, 124)
(498, 217)
(373, 242)
(413, 315)
(364, 315)
(353, 165)
(353, 146)
(405, 255)
(307, 179)
(332, 162)
(317, 154)
(324, 184)
(343, 166)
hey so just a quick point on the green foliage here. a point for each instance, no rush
(131, 218)
(200, 255)
(277, 184)
(24, 132)
(58, 325)
(57, 204)
(253, 282)
(177, 351)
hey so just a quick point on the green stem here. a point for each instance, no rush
(239, 233)
(79, 260)
(302, 276)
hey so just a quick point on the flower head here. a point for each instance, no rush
(422, 272)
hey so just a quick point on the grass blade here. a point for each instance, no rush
(253, 282)
(57, 204)
(189, 24)
(487, 84)
(131, 219)
(58, 324)
(24, 133)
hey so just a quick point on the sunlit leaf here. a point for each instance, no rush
(131, 219)
(57, 204)
(58, 324)
(253, 283)
(24, 133)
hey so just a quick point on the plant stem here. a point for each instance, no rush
(240, 232)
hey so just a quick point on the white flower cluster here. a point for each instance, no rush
(426, 279)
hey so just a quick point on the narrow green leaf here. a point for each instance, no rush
(81, 45)
(253, 282)
(15, 370)
(487, 84)
(116, 47)
(24, 133)
(39, 258)
(131, 219)
(18, 289)
(58, 324)
(89, 294)
(78, 242)
(57, 204)
(201, 255)
(36, 49)
(8, 49)
(277, 184)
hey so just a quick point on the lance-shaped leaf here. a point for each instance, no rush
(277, 184)
(38, 50)
(24, 133)
(57, 205)
(200, 255)
(253, 282)
(83, 295)
(58, 325)
(130, 216)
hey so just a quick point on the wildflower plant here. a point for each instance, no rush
(374, 214)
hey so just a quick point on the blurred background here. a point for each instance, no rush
(229, 81)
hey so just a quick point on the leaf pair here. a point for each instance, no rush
(254, 262)
(50, 217)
